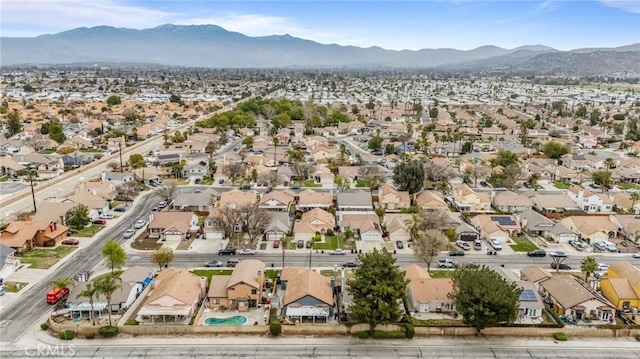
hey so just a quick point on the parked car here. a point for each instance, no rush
(227, 252)
(599, 275)
(447, 263)
(636, 255)
(162, 204)
(295, 187)
(128, 233)
(99, 221)
(579, 245)
(558, 254)
(247, 252)
(70, 242)
(495, 244)
(464, 245)
(213, 264)
(309, 244)
(399, 244)
(350, 264)
(600, 246)
(477, 244)
(300, 243)
(120, 209)
(456, 253)
(338, 252)
(602, 267)
(106, 216)
(537, 253)
(139, 224)
(562, 266)
(233, 262)
(221, 181)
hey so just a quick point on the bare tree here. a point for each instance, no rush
(114, 166)
(128, 190)
(302, 170)
(225, 218)
(427, 244)
(233, 171)
(271, 179)
(437, 173)
(255, 221)
(372, 176)
(167, 192)
(476, 172)
(432, 219)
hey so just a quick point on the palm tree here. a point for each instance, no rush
(62, 282)
(609, 163)
(285, 242)
(635, 196)
(588, 265)
(107, 286)
(90, 292)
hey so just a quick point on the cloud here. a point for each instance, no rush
(632, 6)
(20, 16)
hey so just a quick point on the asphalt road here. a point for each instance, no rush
(359, 349)
(32, 305)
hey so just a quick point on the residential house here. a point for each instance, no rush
(431, 200)
(623, 203)
(53, 211)
(50, 169)
(308, 295)
(278, 200)
(464, 231)
(242, 290)
(498, 227)
(568, 296)
(237, 198)
(537, 225)
(594, 228)
(174, 297)
(105, 190)
(628, 226)
(323, 152)
(398, 225)
(309, 199)
(576, 162)
(314, 221)
(96, 205)
(117, 178)
(323, 175)
(115, 144)
(167, 159)
(24, 235)
(172, 225)
(148, 174)
(194, 172)
(535, 275)
(351, 174)
(200, 201)
(530, 303)
(621, 286)
(9, 263)
(589, 201)
(77, 159)
(211, 229)
(355, 201)
(365, 226)
(467, 199)
(426, 294)
(509, 202)
(391, 199)
(552, 203)
(9, 167)
(278, 227)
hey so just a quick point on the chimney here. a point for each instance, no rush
(333, 285)
(203, 287)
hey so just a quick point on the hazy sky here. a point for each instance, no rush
(461, 24)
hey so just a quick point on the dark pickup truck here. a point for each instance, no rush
(227, 252)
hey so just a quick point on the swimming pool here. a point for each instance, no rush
(235, 320)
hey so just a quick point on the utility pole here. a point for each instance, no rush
(33, 193)
(120, 152)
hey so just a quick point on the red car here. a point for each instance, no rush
(100, 222)
(71, 242)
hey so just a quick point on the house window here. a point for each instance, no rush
(254, 291)
(215, 301)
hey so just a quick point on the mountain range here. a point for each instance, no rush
(214, 47)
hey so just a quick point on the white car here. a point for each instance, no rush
(636, 255)
(495, 244)
(247, 252)
(602, 267)
(558, 254)
(129, 233)
(338, 252)
(106, 216)
(140, 223)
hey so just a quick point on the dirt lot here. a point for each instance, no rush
(145, 243)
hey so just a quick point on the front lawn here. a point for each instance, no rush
(271, 273)
(561, 185)
(42, 258)
(440, 273)
(627, 186)
(330, 242)
(361, 183)
(311, 183)
(4, 178)
(211, 272)
(88, 231)
(523, 245)
(14, 287)
(116, 273)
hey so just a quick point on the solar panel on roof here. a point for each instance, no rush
(503, 221)
(528, 295)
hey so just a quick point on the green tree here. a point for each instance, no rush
(77, 217)
(505, 158)
(162, 256)
(175, 98)
(90, 292)
(555, 150)
(14, 125)
(377, 287)
(589, 265)
(483, 297)
(63, 282)
(609, 163)
(137, 161)
(107, 286)
(634, 197)
(114, 100)
(375, 143)
(113, 255)
(602, 178)
(248, 141)
(409, 176)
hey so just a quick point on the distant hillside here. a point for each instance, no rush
(213, 46)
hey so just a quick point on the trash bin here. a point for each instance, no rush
(360, 251)
(394, 251)
(352, 251)
(322, 251)
(502, 265)
(271, 265)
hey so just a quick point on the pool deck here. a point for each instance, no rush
(253, 316)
